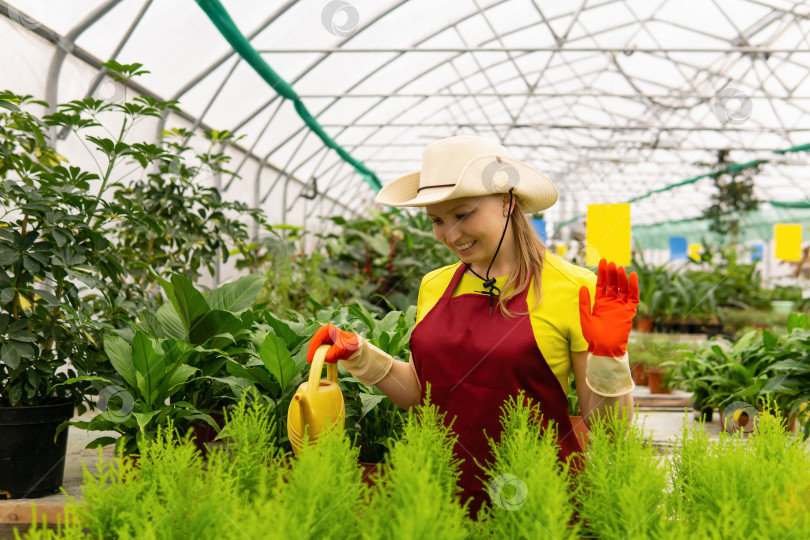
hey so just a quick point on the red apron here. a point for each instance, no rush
(474, 361)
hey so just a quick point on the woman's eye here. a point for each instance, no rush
(436, 221)
(462, 216)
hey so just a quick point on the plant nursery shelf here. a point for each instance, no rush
(18, 513)
(678, 399)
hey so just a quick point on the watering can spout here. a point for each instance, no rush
(304, 409)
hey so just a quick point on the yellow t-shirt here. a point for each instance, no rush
(555, 320)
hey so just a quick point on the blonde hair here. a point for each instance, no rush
(530, 254)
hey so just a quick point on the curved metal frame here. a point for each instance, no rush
(489, 111)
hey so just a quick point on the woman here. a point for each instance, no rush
(509, 316)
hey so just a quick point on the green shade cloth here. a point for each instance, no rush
(732, 168)
(756, 225)
(219, 16)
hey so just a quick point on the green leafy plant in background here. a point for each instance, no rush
(178, 224)
(52, 246)
(759, 366)
(74, 243)
(737, 284)
(392, 250)
(651, 282)
(737, 322)
(298, 280)
(532, 489)
(735, 196)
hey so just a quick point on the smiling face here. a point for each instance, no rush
(471, 227)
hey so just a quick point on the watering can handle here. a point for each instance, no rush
(317, 366)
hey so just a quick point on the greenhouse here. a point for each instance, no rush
(405, 269)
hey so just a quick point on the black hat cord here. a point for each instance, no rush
(489, 283)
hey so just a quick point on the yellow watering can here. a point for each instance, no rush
(316, 404)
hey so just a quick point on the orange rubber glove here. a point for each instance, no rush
(607, 328)
(344, 344)
(367, 363)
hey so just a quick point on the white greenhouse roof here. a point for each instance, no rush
(612, 99)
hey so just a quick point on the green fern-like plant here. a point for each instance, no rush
(417, 495)
(530, 487)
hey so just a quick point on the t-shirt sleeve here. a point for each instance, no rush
(575, 337)
(420, 300)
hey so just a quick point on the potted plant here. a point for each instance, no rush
(650, 280)
(69, 246)
(52, 248)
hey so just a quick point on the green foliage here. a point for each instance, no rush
(669, 293)
(250, 427)
(734, 198)
(75, 244)
(392, 250)
(297, 280)
(171, 366)
(759, 366)
(532, 488)
(652, 280)
(373, 421)
(762, 481)
(738, 322)
(665, 351)
(758, 485)
(420, 476)
(318, 497)
(736, 284)
(621, 492)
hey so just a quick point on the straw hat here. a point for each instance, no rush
(468, 166)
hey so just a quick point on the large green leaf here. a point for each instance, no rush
(171, 323)
(180, 375)
(254, 374)
(144, 418)
(369, 401)
(101, 441)
(190, 302)
(284, 330)
(238, 295)
(277, 359)
(120, 354)
(149, 365)
(213, 323)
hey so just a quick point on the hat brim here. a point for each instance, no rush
(485, 175)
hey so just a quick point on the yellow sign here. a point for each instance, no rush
(694, 251)
(788, 238)
(562, 250)
(608, 233)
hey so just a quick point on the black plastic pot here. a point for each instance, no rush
(32, 464)
(713, 329)
(703, 414)
(690, 327)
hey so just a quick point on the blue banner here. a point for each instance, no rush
(678, 248)
(540, 228)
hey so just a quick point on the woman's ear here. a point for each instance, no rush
(505, 201)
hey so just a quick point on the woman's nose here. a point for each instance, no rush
(452, 235)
